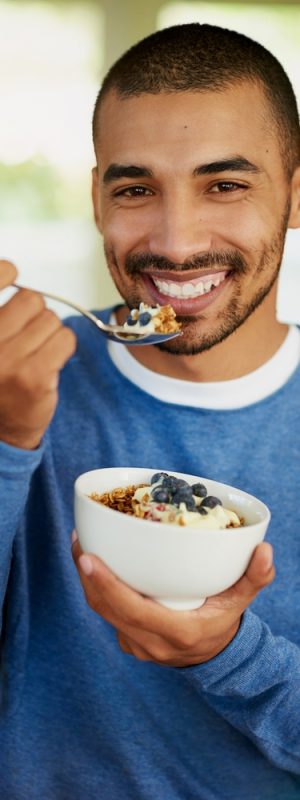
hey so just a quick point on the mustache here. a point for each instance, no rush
(228, 259)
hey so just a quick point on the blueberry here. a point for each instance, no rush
(211, 502)
(157, 476)
(183, 491)
(186, 490)
(144, 318)
(169, 480)
(202, 510)
(173, 483)
(131, 321)
(176, 499)
(199, 489)
(182, 495)
(190, 504)
(160, 495)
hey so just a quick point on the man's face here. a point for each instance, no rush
(193, 203)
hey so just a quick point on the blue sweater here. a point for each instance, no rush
(80, 720)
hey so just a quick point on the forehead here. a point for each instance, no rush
(185, 126)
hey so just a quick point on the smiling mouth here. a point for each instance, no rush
(187, 290)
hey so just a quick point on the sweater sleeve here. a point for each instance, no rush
(16, 470)
(255, 685)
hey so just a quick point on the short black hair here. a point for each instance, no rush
(199, 58)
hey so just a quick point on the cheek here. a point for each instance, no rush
(248, 231)
(127, 229)
(119, 236)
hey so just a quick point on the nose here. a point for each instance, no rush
(180, 230)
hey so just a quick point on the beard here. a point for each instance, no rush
(232, 316)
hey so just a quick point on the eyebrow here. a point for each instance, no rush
(116, 171)
(235, 164)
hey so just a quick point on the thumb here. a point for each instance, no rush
(261, 564)
(259, 573)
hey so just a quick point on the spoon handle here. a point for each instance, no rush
(115, 332)
(60, 299)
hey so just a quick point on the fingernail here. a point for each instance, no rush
(86, 565)
(74, 537)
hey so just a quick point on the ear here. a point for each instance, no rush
(96, 199)
(294, 218)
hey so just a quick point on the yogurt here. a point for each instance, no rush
(152, 319)
(195, 510)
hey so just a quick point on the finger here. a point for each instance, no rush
(31, 338)
(24, 306)
(132, 648)
(96, 599)
(141, 641)
(124, 644)
(8, 273)
(133, 608)
(107, 595)
(74, 538)
(81, 559)
(54, 353)
(38, 375)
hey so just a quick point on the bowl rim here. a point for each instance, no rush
(262, 507)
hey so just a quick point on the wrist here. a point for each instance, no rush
(21, 442)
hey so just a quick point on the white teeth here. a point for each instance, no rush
(183, 290)
(173, 289)
(188, 290)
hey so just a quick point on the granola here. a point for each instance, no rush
(171, 500)
(153, 319)
(119, 499)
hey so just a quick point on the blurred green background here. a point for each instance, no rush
(53, 55)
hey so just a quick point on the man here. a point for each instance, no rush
(198, 150)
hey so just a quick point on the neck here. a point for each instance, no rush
(249, 347)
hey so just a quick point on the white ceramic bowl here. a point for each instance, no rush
(177, 566)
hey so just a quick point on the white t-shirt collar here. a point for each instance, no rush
(221, 395)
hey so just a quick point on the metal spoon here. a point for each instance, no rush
(115, 332)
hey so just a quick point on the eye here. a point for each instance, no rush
(133, 191)
(226, 187)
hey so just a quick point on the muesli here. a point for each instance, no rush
(152, 319)
(170, 500)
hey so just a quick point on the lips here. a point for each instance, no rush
(187, 295)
